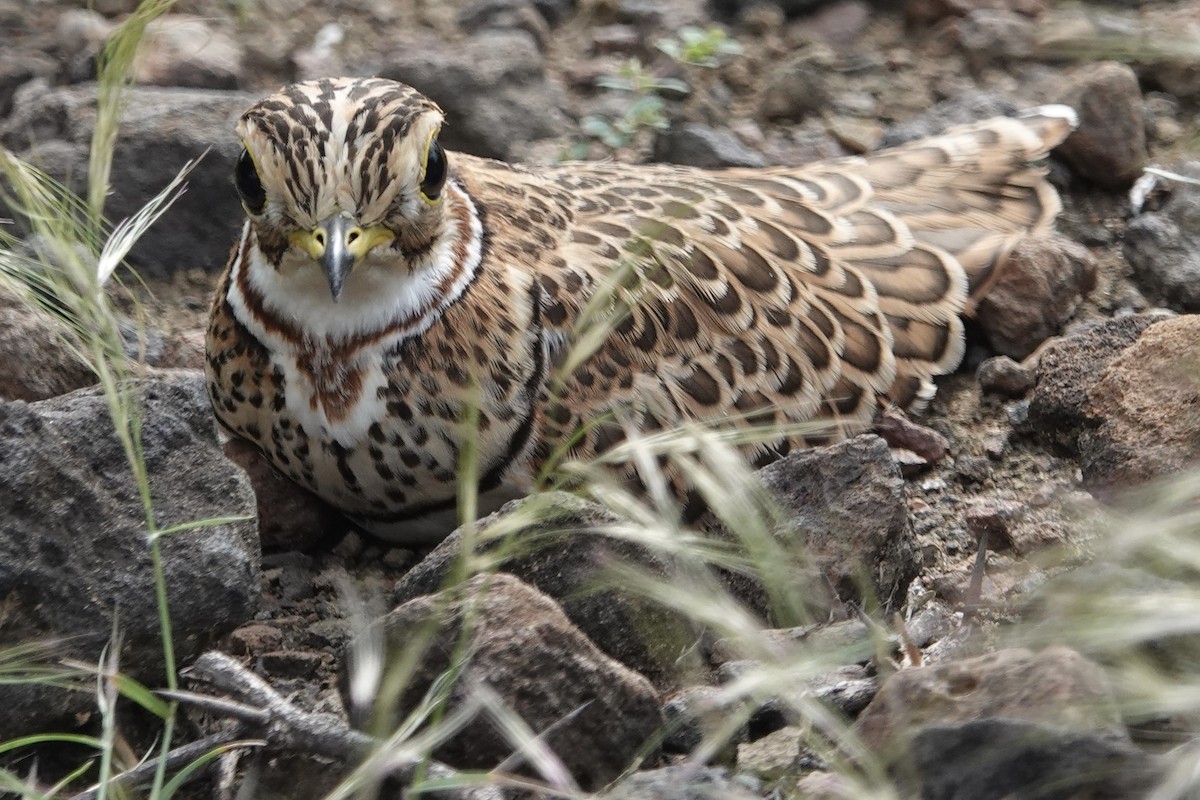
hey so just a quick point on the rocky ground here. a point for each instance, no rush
(1062, 403)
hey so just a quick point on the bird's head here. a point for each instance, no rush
(336, 172)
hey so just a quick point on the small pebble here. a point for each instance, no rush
(1004, 376)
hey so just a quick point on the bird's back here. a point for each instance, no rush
(778, 295)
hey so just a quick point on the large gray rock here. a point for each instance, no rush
(74, 556)
(517, 642)
(161, 129)
(493, 88)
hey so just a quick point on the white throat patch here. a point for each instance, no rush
(378, 296)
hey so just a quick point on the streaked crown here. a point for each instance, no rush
(365, 147)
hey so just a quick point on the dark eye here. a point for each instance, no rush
(248, 184)
(435, 172)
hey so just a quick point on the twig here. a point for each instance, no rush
(287, 727)
(142, 775)
(974, 598)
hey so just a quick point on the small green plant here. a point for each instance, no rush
(691, 47)
(645, 111)
(699, 47)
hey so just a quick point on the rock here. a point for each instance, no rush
(844, 508)
(255, 638)
(482, 15)
(73, 551)
(774, 756)
(1163, 247)
(1144, 411)
(17, 69)
(618, 39)
(995, 37)
(563, 556)
(1038, 290)
(79, 37)
(292, 663)
(555, 11)
(181, 50)
(1056, 685)
(822, 785)
(996, 518)
(35, 363)
(183, 349)
(926, 12)
(698, 145)
(1109, 146)
(961, 109)
(694, 712)
(733, 8)
(972, 469)
(542, 668)
(847, 688)
(161, 129)
(321, 58)
(1069, 367)
(850, 639)
(794, 91)
(840, 23)
(997, 759)
(685, 782)
(1001, 375)
(856, 135)
(493, 88)
(289, 517)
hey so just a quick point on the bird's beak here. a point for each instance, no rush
(337, 244)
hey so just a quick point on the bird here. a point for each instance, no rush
(383, 290)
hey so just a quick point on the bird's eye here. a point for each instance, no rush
(435, 172)
(248, 184)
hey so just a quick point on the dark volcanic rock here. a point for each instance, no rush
(998, 759)
(1069, 367)
(1109, 146)
(844, 507)
(563, 555)
(1144, 412)
(1056, 685)
(161, 130)
(1041, 284)
(701, 146)
(1163, 247)
(73, 549)
(523, 648)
